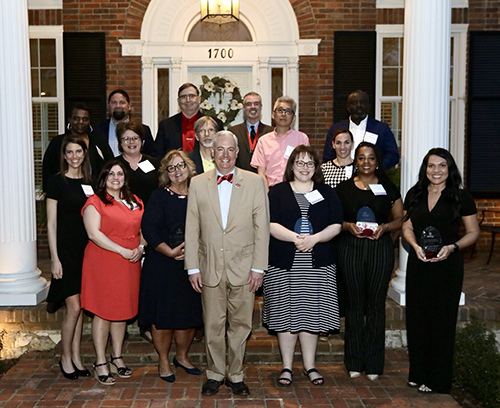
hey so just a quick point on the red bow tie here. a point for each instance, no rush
(228, 177)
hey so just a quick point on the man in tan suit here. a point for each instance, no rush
(227, 238)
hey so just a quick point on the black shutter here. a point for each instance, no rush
(483, 119)
(354, 59)
(85, 72)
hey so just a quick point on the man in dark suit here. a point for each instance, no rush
(177, 132)
(119, 109)
(364, 128)
(249, 131)
(227, 239)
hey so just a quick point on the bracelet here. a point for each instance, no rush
(455, 247)
(142, 247)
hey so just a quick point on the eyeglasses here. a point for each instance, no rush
(282, 111)
(210, 131)
(189, 97)
(309, 164)
(179, 166)
(250, 104)
(129, 140)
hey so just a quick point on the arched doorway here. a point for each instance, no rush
(170, 59)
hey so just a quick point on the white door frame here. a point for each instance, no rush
(163, 44)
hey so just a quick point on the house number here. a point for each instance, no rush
(220, 53)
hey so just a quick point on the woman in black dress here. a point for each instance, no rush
(67, 192)
(341, 168)
(300, 297)
(167, 300)
(433, 284)
(366, 260)
(142, 169)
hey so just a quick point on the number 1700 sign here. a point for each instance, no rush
(216, 53)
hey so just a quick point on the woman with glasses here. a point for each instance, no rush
(273, 149)
(142, 169)
(167, 300)
(205, 129)
(300, 297)
(365, 255)
(177, 132)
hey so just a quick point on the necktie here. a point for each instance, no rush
(228, 177)
(252, 132)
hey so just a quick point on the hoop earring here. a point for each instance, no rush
(91, 129)
(68, 126)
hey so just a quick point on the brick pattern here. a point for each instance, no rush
(484, 14)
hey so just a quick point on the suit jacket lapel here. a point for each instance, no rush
(236, 194)
(213, 195)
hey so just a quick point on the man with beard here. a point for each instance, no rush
(119, 109)
(205, 129)
(364, 129)
(177, 131)
(249, 131)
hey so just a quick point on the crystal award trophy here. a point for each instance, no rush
(431, 241)
(176, 235)
(366, 221)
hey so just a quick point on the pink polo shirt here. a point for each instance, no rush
(270, 153)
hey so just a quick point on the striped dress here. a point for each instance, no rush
(302, 298)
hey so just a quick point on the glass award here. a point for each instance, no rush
(431, 241)
(176, 236)
(303, 227)
(366, 221)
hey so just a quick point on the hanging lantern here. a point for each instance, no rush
(220, 11)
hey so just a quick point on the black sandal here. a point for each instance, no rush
(103, 379)
(284, 381)
(316, 381)
(123, 372)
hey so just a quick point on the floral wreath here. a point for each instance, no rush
(218, 87)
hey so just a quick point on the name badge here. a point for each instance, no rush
(88, 190)
(377, 189)
(146, 166)
(371, 137)
(348, 171)
(314, 197)
(288, 151)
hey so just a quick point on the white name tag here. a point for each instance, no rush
(146, 166)
(88, 190)
(371, 137)
(314, 197)
(348, 170)
(378, 189)
(288, 151)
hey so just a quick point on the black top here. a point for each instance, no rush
(353, 199)
(285, 211)
(142, 184)
(99, 153)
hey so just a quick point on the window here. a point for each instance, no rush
(46, 90)
(390, 82)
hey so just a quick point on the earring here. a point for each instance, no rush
(376, 168)
(91, 129)
(68, 126)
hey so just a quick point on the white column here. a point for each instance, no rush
(20, 281)
(426, 90)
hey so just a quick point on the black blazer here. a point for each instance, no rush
(245, 154)
(285, 211)
(99, 153)
(195, 156)
(149, 144)
(169, 134)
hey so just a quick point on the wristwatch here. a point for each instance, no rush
(455, 247)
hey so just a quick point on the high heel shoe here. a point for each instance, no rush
(81, 373)
(123, 372)
(168, 378)
(193, 371)
(69, 376)
(103, 379)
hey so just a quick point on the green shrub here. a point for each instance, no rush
(477, 363)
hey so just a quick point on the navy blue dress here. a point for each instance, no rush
(166, 298)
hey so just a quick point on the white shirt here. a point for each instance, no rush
(358, 133)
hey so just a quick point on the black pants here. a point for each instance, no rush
(366, 267)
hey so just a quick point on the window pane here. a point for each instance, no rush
(45, 127)
(390, 82)
(163, 94)
(35, 86)
(391, 52)
(48, 53)
(236, 31)
(49, 83)
(34, 52)
(276, 84)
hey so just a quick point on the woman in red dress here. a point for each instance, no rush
(111, 267)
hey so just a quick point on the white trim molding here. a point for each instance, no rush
(45, 4)
(392, 4)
